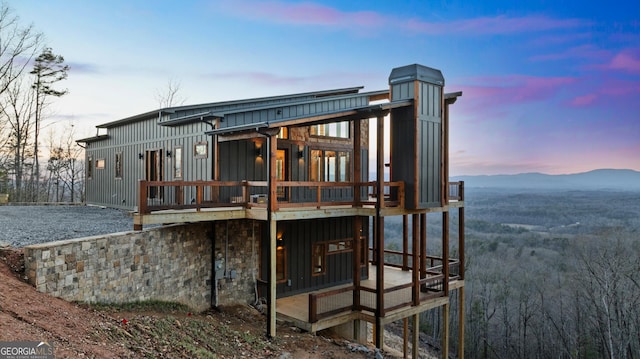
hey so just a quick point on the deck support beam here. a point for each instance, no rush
(379, 235)
(272, 225)
(415, 339)
(445, 330)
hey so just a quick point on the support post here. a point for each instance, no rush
(357, 162)
(272, 226)
(415, 272)
(445, 252)
(405, 242)
(423, 245)
(379, 337)
(415, 339)
(405, 337)
(461, 322)
(445, 330)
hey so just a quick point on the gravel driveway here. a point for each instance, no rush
(24, 225)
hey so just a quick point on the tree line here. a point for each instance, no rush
(30, 75)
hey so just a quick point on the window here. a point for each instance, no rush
(336, 129)
(318, 259)
(118, 165)
(330, 166)
(177, 162)
(344, 245)
(200, 150)
(89, 167)
(100, 164)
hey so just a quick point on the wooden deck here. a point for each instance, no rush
(295, 309)
(207, 205)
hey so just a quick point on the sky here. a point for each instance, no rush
(548, 86)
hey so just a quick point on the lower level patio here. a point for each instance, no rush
(329, 307)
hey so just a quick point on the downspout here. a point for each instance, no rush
(214, 282)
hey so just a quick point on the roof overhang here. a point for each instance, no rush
(360, 113)
(93, 139)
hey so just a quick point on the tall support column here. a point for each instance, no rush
(445, 330)
(416, 259)
(423, 245)
(415, 339)
(357, 259)
(461, 234)
(379, 236)
(461, 322)
(272, 147)
(445, 251)
(357, 161)
(405, 242)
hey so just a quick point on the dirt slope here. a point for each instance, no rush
(81, 331)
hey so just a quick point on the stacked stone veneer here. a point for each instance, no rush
(237, 244)
(171, 263)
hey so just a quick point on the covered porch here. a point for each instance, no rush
(402, 298)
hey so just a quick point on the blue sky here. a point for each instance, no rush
(549, 86)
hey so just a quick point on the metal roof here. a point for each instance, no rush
(171, 110)
(345, 114)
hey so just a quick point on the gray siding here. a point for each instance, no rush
(416, 140)
(137, 138)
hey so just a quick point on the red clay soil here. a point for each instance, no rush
(81, 331)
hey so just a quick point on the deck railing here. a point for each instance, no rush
(161, 195)
(328, 303)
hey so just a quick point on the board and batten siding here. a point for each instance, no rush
(298, 239)
(416, 135)
(135, 139)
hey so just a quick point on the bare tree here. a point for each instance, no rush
(48, 69)
(64, 166)
(169, 95)
(16, 109)
(18, 46)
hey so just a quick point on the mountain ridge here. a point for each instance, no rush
(604, 178)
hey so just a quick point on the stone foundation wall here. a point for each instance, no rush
(171, 263)
(237, 247)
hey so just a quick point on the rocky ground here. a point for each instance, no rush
(24, 225)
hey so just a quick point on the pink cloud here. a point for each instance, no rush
(494, 25)
(516, 88)
(306, 13)
(585, 100)
(310, 13)
(625, 61)
(577, 52)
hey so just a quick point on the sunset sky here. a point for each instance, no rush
(549, 86)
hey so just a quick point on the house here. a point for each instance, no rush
(297, 167)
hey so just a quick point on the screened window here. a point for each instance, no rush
(177, 162)
(200, 150)
(118, 169)
(330, 166)
(336, 129)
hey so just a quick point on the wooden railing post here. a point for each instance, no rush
(199, 195)
(142, 197)
(313, 308)
(245, 193)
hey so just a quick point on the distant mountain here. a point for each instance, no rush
(596, 179)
